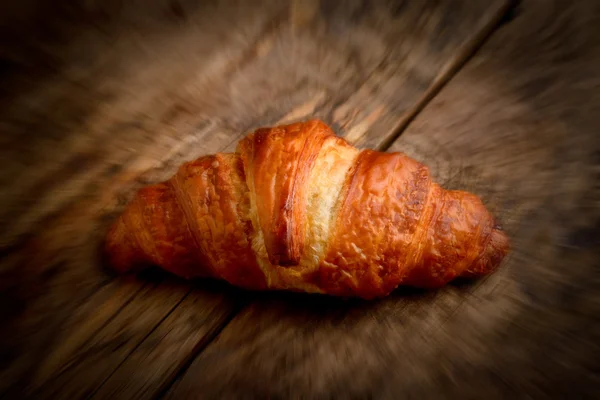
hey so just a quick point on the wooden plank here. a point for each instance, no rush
(518, 127)
(118, 338)
(52, 275)
(335, 56)
(178, 338)
(144, 115)
(279, 56)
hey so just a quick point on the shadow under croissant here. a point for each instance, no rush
(154, 274)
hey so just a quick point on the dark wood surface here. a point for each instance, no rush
(518, 125)
(99, 98)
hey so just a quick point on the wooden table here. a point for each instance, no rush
(99, 98)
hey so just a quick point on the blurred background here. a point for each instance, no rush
(98, 98)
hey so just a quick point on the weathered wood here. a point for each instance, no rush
(128, 93)
(144, 336)
(102, 157)
(313, 104)
(114, 342)
(518, 126)
(182, 335)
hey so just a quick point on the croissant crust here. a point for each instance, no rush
(298, 208)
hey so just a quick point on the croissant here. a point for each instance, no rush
(298, 208)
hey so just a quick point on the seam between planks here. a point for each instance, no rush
(140, 343)
(268, 30)
(208, 338)
(464, 54)
(70, 363)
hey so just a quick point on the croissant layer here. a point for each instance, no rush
(298, 208)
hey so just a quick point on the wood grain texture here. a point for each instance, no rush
(54, 268)
(176, 340)
(518, 126)
(99, 98)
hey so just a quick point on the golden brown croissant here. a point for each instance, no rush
(298, 208)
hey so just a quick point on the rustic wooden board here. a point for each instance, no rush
(518, 126)
(57, 297)
(327, 107)
(110, 97)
